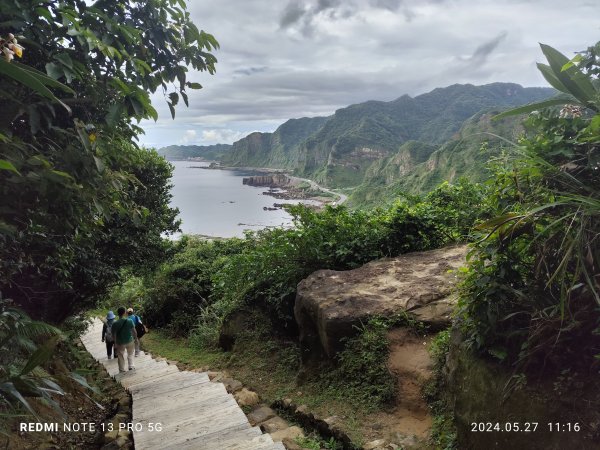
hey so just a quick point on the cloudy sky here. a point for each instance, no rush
(296, 58)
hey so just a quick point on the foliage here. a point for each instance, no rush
(178, 292)
(576, 79)
(315, 442)
(532, 295)
(418, 168)
(443, 430)
(361, 366)
(81, 201)
(58, 251)
(25, 345)
(206, 282)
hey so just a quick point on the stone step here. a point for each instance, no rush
(199, 405)
(228, 441)
(173, 437)
(148, 366)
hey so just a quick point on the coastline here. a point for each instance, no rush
(290, 190)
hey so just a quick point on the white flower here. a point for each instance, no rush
(17, 49)
(8, 54)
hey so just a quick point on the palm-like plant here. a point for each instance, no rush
(21, 359)
(551, 223)
(575, 79)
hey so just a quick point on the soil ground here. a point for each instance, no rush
(408, 421)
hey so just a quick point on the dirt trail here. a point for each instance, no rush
(408, 422)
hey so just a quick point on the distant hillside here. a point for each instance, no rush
(204, 152)
(382, 143)
(417, 168)
(355, 137)
(278, 149)
(382, 148)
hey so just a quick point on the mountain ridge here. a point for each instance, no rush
(398, 144)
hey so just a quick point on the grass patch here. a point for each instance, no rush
(270, 366)
(314, 442)
(160, 343)
(443, 431)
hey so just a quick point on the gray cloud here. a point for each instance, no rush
(311, 57)
(303, 15)
(323, 5)
(484, 50)
(292, 13)
(391, 5)
(250, 70)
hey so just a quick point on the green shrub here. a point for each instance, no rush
(532, 295)
(179, 291)
(362, 366)
(443, 430)
(205, 282)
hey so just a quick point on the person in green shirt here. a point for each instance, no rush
(123, 331)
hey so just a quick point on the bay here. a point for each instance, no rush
(216, 203)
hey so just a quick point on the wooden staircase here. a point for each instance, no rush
(193, 412)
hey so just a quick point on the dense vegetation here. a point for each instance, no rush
(80, 201)
(84, 208)
(418, 167)
(532, 293)
(529, 291)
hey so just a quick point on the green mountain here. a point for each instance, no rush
(203, 152)
(380, 147)
(341, 152)
(417, 167)
(278, 149)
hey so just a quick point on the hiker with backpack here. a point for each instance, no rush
(107, 336)
(124, 333)
(140, 329)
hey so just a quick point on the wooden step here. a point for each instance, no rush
(194, 412)
(168, 383)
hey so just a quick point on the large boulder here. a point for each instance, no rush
(330, 304)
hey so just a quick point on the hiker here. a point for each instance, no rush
(107, 336)
(140, 329)
(123, 332)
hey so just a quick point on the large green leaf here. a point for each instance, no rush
(44, 78)
(561, 100)
(40, 356)
(7, 165)
(28, 79)
(10, 389)
(551, 78)
(575, 81)
(82, 381)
